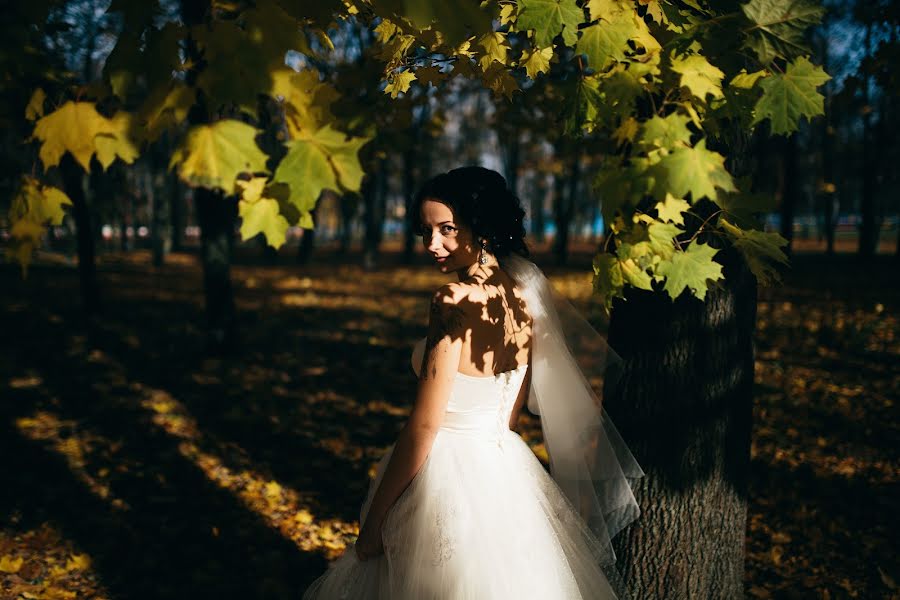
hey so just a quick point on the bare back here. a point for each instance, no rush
(496, 324)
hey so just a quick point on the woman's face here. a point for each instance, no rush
(450, 242)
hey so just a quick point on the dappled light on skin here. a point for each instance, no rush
(280, 507)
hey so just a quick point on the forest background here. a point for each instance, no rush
(187, 364)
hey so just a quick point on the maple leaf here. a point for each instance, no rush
(262, 216)
(307, 171)
(670, 132)
(72, 128)
(307, 101)
(118, 144)
(496, 48)
(761, 250)
(607, 9)
(626, 131)
(778, 26)
(672, 209)
(690, 269)
(549, 18)
(214, 155)
(605, 43)
(744, 80)
(536, 61)
(399, 83)
(165, 108)
(342, 152)
(699, 76)
(789, 96)
(696, 171)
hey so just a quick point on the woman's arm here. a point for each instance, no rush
(522, 398)
(439, 366)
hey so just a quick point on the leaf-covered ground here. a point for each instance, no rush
(133, 466)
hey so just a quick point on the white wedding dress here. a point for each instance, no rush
(481, 520)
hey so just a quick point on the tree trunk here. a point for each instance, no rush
(537, 208)
(868, 231)
(72, 176)
(684, 407)
(348, 211)
(374, 197)
(307, 243)
(173, 187)
(790, 189)
(409, 192)
(564, 203)
(162, 230)
(216, 214)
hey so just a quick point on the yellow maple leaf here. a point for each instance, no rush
(306, 100)
(117, 144)
(536, 61)
(214, 155)
(263, 217)
(71, 128)
(495, 47)
(399, 83)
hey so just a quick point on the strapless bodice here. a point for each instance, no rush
(479, 406)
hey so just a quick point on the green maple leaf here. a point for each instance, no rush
(214, 155)
(620, 187)
(342, 152)
(778, 27)
(742, 208)
(605, 43)
(695, 171)
(307, 171)
(324, 159)
(690, 269)
(549, 18)
(699, 76)
(761, 250)
(789, 96)
(665, 132)
(672, 209)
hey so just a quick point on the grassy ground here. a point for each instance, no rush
(135, 466)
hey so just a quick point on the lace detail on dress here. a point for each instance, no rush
(444, 542)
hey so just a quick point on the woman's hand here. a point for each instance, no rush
(369, 544)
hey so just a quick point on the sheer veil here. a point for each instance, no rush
(588, 458)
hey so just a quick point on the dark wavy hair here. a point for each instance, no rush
(481, 199)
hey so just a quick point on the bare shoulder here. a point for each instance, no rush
(452, 310)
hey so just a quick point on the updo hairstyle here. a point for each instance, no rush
(479, 198)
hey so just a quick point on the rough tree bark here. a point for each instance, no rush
(684, 406)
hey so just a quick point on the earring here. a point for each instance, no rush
(482, 257)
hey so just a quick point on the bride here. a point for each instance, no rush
(460, 508)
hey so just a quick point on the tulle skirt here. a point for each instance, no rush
(481, 520)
